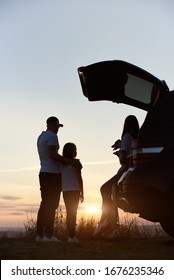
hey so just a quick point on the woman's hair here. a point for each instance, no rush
(69, 150)
(131, 126)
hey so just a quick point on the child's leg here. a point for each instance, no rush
(71, 199)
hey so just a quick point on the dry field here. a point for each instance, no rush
(130, 242)
(114, 249)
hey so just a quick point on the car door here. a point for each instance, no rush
(121, 82)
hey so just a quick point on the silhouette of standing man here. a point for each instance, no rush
(50, 178)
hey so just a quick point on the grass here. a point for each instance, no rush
(120, 248)
(129, 241)
(128, 228)
(85, 227)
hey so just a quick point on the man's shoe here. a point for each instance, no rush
(51, 239)
(38, 239)
(73, 239)
(101, 228)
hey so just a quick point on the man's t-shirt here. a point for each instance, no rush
(48, 138)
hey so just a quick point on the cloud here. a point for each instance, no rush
(5, 206)
(30, 168)
(17, 214)
(10, 197)
(99, 162)
(19, 169)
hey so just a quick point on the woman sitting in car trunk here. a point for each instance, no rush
(130, 132)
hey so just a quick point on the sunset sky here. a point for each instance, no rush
(42, 45)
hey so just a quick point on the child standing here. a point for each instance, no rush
(72, 188)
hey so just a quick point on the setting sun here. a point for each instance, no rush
(91, 210)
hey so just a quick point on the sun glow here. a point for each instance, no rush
(91, 210)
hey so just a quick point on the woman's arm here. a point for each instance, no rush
(80, 180)
(122, 157)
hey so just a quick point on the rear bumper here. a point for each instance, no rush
(136, 197)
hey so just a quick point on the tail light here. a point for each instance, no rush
(144, 151)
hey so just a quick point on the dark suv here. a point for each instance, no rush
(147, 188)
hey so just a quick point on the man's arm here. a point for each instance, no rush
(54, 155)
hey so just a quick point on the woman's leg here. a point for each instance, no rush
(106, 193)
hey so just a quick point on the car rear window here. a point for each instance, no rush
(138, 89)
